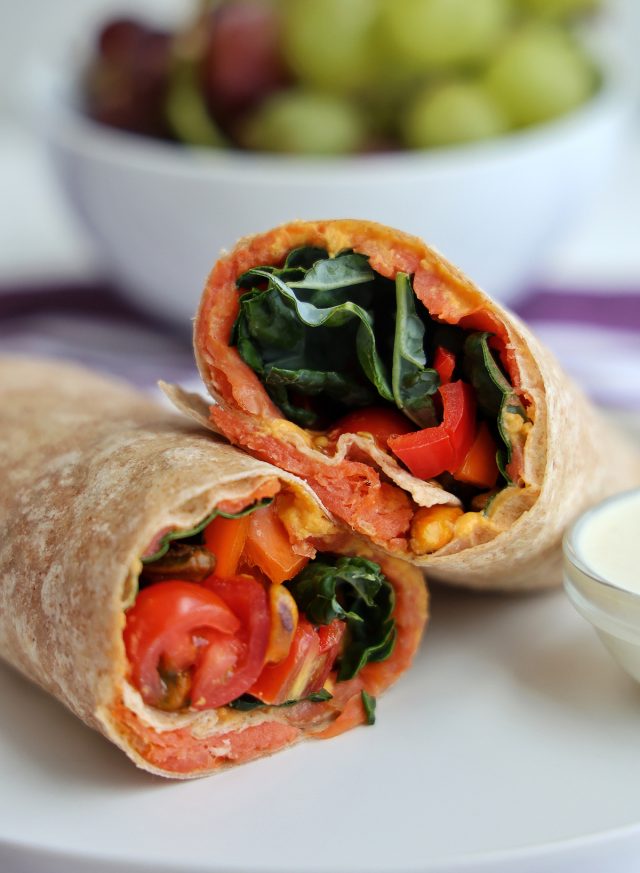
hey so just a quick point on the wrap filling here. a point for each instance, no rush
(241, 612)
(366, 375)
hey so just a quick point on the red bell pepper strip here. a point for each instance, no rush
(459, 418)
(432, 451)
(479, 466)
(444, 363)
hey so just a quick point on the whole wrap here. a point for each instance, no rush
(573, 456)
(91, 471)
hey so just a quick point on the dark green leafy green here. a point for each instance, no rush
(413, 383)
(337, 386)
(503, 458)
(310, 332)
(168, 538)
(297, 263)
(304, 257)
(319, 327)
(482, 370)
(337, 316)
(369, 704)
(333, 274)
(245, 703)
(356, 591)
(247, 347)
(268, 323)
(494, 393)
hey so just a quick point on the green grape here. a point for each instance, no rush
(442, 34)
(452, 113)
(186, 110)
(304, 122)
(540, 73)
(559, 9)
(328, 43)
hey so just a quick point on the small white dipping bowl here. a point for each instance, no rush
(602, 574)
(160, 213)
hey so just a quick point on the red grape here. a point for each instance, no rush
(127, 81)
(242, 64)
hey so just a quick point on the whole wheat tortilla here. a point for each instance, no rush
(573, 457)
(91, 471)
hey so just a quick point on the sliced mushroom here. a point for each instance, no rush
(182, 561)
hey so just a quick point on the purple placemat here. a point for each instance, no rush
(94, 325)
(596, 336)
(615, 311)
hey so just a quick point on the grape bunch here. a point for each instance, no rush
(330, 77)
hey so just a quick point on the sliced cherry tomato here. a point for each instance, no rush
(444, 363)
(330, 635)
(164, 624)
(381, 422)
(225, 538)
(302, 672)
(284, 622)
(247, 599)
(479, 466)
(432, 451)
(269, 548)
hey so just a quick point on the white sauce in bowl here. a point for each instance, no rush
(608, 541)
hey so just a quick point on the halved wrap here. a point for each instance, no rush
(423, 414)
(167, 588)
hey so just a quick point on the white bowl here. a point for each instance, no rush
(160, 213)
(614, 611)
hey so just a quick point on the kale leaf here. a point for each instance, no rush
(337, 386)
(336, 316)
(297, 263)
(324, 327)
(245, 703)
(356, 591)
(413, 383)
(369, 704)
(494, 393)
(307, 329)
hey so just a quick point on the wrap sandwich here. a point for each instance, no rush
(196, 606)
(423, 414)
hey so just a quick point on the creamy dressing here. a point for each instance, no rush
(608, 541)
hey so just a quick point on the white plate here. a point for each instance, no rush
(510, 747)
(513, 745)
